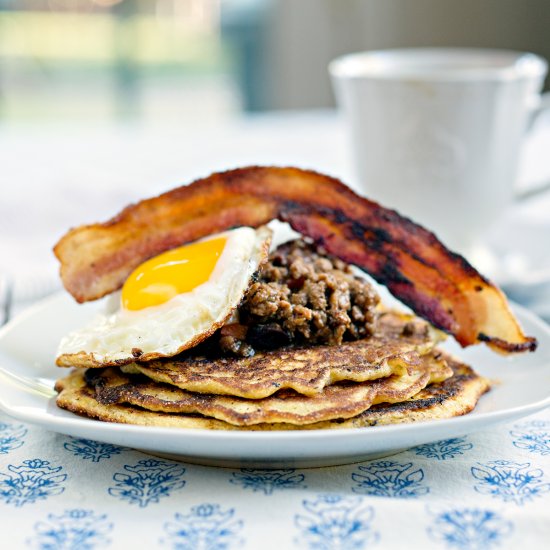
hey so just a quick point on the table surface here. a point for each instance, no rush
(485, 490)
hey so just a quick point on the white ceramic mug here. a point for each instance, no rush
(436, 133)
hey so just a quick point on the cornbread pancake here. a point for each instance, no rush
(454, 396)
(342, 400)
(306, 370)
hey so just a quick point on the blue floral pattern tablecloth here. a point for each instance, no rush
(487, 490)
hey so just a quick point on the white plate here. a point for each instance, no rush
(28, 345)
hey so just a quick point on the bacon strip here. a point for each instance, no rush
(436, 283)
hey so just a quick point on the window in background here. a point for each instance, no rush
(206, 60)
(283, 47)
(101, 59)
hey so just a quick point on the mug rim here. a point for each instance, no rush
(436, 64)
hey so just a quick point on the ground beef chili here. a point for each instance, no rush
(301, 296)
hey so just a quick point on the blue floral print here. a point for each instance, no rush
(147, 482)
(92, 450)
(445, 449)
(510, 481)
(267, 481)
(11, 437)
(206, 527)
(73, 530)
(533, 436)
(390, 479)
(31, 481)
(333, 521)
(470, 528)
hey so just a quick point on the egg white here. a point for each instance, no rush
(120, 336)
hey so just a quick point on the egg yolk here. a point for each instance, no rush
(175, 272)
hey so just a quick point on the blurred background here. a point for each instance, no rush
(210, 60)
(104, 102)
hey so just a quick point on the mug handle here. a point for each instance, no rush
(540, 105)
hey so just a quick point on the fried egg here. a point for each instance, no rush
(171, 302)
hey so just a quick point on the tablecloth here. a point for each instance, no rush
(481, 491)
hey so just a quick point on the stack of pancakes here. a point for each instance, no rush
(396, 375)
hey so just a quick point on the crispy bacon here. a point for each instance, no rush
(436, 283)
